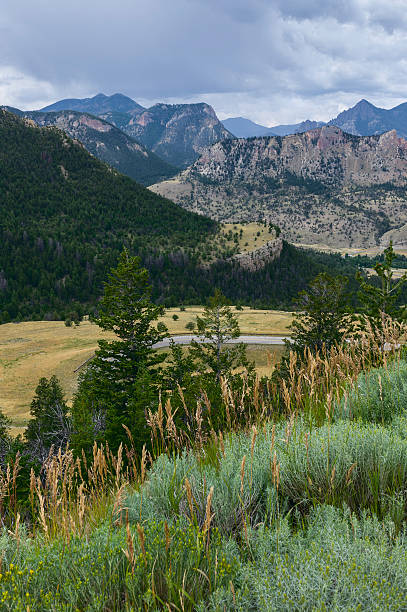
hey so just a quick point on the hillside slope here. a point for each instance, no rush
(65, 216)
(323, 186)
(109, 144)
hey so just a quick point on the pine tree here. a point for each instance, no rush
(49, 424)
(383, 299)
(322, 314)
(215, 328)
(116, 377)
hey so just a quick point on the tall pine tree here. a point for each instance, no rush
(121, 381)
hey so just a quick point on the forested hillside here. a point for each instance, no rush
(109, 144)
(65, 216)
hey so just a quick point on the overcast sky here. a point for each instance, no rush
(274, 61)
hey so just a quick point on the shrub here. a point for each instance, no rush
(361, 465)
(338, 563)
(240, 476)
(146, 567)
(378, 395)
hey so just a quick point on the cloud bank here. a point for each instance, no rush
(275, 61)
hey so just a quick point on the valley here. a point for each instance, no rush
(203, 306)
(34, 349)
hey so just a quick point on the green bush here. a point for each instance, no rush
(377, 396)
(165, 493)
(178, 569)
(163, 564)
(338, 563)
(361, 465)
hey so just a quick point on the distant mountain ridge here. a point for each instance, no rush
(245, 128)
(97, 105)
(363, 119)
(107, 143)
(177, 133)
(321, 186)
(296, 128)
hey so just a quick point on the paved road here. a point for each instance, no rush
(186, 339)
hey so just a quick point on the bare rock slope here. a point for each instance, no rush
(322, 186)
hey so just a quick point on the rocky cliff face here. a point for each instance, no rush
(108, 143)
(178, 133)
(258, 258)
(327, 155)
(321, 186)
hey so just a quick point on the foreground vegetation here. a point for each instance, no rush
(304, 508)
(195, 485)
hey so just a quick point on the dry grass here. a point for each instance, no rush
(34, 349)
(369, 252)
(40, 348)
(249, 241)
(273, 322)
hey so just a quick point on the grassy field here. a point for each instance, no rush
(253, 235)
(369, 251)
(34, 349)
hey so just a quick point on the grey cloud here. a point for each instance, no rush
(342, 10)
(281, 60)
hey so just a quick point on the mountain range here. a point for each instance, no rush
(245, 128)
(177, 133)
(363, 119)
(321, 186)
(148, 144)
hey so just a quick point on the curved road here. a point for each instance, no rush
(186, 339)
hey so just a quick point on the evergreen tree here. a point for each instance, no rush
(322, 317)
(5, 437)
(180, 368)
(383, 299)
(112, 391)
(49, 424)
(215, 328)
